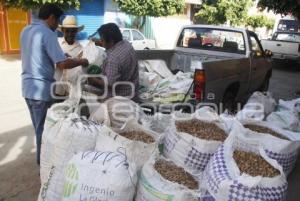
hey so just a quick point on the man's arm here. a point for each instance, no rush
(57, 55)
(72, 63)
(97, 82)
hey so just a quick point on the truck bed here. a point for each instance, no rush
(181, 60)
(217, 66)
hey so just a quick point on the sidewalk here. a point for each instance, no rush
(13, 109)
(19, 179)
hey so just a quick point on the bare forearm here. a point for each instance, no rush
(96, 82)
(72, 63)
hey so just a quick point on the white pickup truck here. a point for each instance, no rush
(284, 46)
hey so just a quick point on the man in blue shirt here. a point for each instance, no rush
(41, 54)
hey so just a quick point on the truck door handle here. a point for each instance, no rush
(278, 45)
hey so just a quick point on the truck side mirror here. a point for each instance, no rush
(256, 54)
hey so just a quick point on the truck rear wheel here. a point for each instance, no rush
(265, 85)
(229, 101)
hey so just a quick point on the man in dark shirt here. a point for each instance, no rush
(120, 66)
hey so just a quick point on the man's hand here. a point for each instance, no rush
(72, 63)
(98, 42)
(85, 62)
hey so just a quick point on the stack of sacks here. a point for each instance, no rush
(170, 89)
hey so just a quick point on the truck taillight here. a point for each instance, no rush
(199, 84)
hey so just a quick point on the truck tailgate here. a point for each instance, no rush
(281, 47)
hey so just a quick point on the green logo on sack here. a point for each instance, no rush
(71, 174)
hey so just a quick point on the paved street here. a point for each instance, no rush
(285, 84)
(19, 179)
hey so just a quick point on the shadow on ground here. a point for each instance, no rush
(286, 66)
(19, 174)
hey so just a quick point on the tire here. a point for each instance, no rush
(229, 102)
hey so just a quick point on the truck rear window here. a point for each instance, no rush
(212, 39)
(288, 37)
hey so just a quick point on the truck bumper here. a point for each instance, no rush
(277, 56)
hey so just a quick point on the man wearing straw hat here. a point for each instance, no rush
(71, 48)
(68, 44)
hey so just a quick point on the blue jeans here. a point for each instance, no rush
(38, 111)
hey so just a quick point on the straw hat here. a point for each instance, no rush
(70, 22)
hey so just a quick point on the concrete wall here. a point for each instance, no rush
(166, 30)
(163, 29)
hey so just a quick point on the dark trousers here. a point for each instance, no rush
(38, 111)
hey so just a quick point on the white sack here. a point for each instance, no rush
(285, 119)
(259, 106)
(156, 66)
(190, 152)
(65, 138)
(223, 180)
(138, 152)
(285, 152)
(153, 187)
(100, 176)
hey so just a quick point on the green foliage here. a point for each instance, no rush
(33, 4)
(220, 11)
(153, 8)
(282, 6)
(260, 21)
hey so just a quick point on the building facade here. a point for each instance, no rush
(93, 14)
(12, 21)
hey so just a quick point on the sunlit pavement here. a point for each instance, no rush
(19, 175)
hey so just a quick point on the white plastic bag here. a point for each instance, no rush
(138, 152)
(149, 80)
(95, 55)
(224, 181)
(153, 187)
(100, 176)
(65, 138)
(190, 152)
(285, 119)
(292, 105)
(157, 66)
(259, 106)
